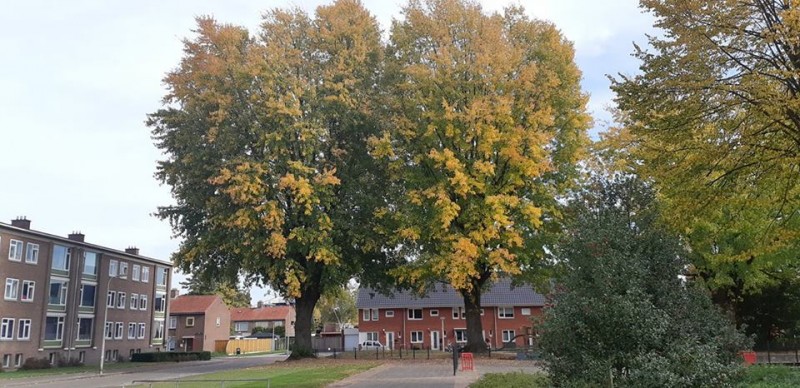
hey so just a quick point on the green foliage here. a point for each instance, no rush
(32, 363)
(512, 380)
(771, 313)
(622, 312)
(770, 376)
(170, 356)
(337, 306)
(231, 293)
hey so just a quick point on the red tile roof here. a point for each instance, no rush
(189, 304)
(266, 313)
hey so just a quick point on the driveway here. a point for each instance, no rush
(431, 373)
(160, 371)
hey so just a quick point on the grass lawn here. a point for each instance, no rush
(772, 376)
(303, 374)
(512, 380)
(110, 367)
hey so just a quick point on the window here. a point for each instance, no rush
(189, 321)
(145, 274)
(525, 311)
(112, 295)
(389, 313)
(82, 357)
(112, 268)
(505, 312)
(18, 360)
(160, 305)
(508, 335)
(15, 250)
(459, 313)
(32, 253)
(143, 302)
(434, 313)
(159, 332)
(85, 326)
(416, 337)
(58, 292)
(134, 301)
(173, 323)
(12, 289)
(136, 272)
(120, 300)
(372, 336)
(375, 314)
(120, 326)
(28, 287)
(61, 256)
(365, 315)
(89, 263)
(6, 360)
(131, 331)
(240, 326)
(7, 329)
(123, 269)
(161, 276)
(142, 330)
(24, 331)
(218, 322)
(461, 335)
(109, 331)
(414, 314)
(87, 295)
(53, 328)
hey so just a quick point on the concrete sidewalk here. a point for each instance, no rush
(432, 373)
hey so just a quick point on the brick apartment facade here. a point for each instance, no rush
(245, 319)
(197, 321)
(438, 319)
(57, 292)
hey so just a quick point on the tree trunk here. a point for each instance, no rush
(303, 325)
(472, 302)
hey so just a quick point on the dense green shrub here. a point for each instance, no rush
(624, 312)
(35, 363)
(170, 356)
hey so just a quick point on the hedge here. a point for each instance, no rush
(170, 356)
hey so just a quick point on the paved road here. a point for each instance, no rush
(431, 373)
(155, 372)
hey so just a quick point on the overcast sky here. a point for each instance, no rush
(78, 77)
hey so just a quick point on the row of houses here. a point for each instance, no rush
(66, 299)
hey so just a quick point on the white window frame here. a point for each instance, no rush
(417, 337)
(143, 302)
(119, 330)
(59, 328)
(28, 291)
(460, 333)
(24, 329)
(372, 336)
(375, 314)
(505, 312)
(80, 327)
(163, 307)
(145, 274)
(67, 257)
(96, 263)
(62, 293)
(7, 329)
(94, 300)
(123, 269)
(365, 315)
(459, 313)
(142, 330)
(189, 321)
(134, 301)
(6, 361)
(112, 268)
(121, 300)
(136, 272)
(173, 322)
(508, 335)
(240, 326)
(158, 329)
(32, 253)
(412, 316)
(131, 330)
(12, 289)
(108, 332)
(434, 313)
(389, 314)
(525, 311)
(15, 250)
(111, 299)
(18, 360)
(218, 322)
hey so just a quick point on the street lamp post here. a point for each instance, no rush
(105, 324)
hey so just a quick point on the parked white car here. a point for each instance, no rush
(370, 345)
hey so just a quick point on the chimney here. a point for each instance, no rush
(260, 304)
(76, 236)
(173, 293)
(132, 250)
(21, 222)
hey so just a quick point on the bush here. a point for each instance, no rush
(171, 356)
(622, 312)
(71, 362)
(36, 363)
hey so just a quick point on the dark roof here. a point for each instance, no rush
(500, 293)
(192, 304)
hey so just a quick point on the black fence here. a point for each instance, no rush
(782, 351)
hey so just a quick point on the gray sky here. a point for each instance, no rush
(78, 77)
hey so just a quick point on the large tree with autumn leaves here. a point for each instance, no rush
(264, 140)
(484, 122)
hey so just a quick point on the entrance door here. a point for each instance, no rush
(435, 340)
(390, 340)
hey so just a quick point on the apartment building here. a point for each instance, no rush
(437, 319)
(64, 298)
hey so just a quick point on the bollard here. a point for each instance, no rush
(455, 359)
(377, 353)
(429, 352)
(334, 353)
(414, 352)
(355, 353)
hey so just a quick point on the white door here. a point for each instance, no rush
(435, 340)
(389, 340)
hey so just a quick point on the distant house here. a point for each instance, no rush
(438, 319)
(196, 321)
(245, 319)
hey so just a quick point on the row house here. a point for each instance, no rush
(66, 299)
(437, 319)
(245, 319)
(196, 322)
